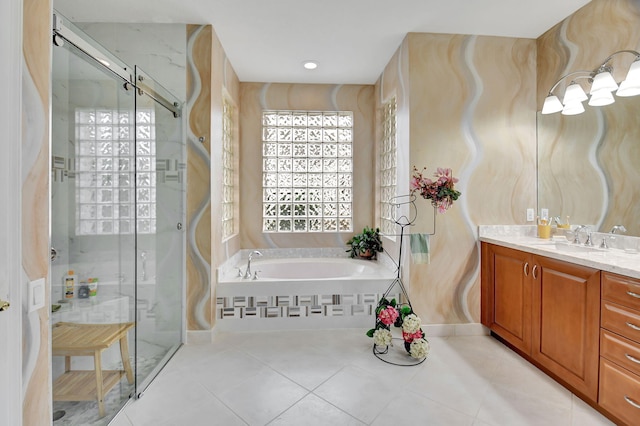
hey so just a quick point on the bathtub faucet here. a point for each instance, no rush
(247, 274)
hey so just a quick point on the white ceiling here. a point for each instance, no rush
(267, 40)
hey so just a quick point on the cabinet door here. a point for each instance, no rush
(566, 319)
(506, 295)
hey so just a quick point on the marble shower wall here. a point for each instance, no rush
(256, 97)
(471, 108)
(588, 164)
(160, 48)
(36, 375)
(210, 76)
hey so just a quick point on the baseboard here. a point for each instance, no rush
(199, 337)
(446, 330)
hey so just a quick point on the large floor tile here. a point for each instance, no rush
(358, 392)
(165, 401)
(584, 415)
(331, 377)
(314, 411)
(307, 368)
(408, 408)
(262, 397)
(221, 371)
(452, 384)
(502, 406)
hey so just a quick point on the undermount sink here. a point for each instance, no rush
(568, 247)
(577, 248)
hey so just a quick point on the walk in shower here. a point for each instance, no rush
(117, 211)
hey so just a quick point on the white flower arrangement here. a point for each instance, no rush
(411, 324)
(390, 313)
(419, 348)
(382, 337)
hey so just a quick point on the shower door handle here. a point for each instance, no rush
(4, 305)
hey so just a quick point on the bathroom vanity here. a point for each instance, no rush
(573, 312)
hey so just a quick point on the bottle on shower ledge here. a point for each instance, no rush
(69, 283)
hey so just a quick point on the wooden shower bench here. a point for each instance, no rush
(73, 339)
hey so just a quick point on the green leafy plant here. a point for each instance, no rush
(365, 244)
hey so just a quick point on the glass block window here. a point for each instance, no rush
(388, 165)
(228, 168)
(109, 156)
(307, 171)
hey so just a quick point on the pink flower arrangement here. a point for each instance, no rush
(389, 315)
(410, 337)
(400, 315)
(440, 190)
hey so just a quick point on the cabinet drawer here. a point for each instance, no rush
(621, 320)
(622, 290)
(623, 352)
(619, 392)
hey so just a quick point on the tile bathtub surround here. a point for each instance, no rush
(329, 377)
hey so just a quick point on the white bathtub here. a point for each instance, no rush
(300, 292)
(315, 269)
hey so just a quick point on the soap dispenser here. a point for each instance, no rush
(69, 283)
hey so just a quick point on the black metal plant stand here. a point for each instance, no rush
(404, 222)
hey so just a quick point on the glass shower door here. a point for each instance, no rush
(118, 190)
(160, 238)
(92, 219)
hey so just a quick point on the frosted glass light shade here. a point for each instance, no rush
(573, 108)
(601, 98)
(603, 81)
(631, 84)
(574, 93)
(551, 104)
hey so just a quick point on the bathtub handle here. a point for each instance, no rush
(255, 275)
(239, 272)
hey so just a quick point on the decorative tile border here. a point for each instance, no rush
(298, 306)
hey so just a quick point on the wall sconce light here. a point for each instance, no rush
(602, 86)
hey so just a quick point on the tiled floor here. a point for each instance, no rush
(330, 377)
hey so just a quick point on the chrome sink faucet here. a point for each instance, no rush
(576, 233)
(618, 228)
(247, 274)
(614, 230)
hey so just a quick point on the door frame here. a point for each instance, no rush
(10, 218)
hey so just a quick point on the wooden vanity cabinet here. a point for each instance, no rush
(547, 309)
(506, 294)
(620, 348)
(566, 317)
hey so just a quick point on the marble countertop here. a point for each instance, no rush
(610, 260)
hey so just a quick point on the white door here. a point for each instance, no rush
(10, 183)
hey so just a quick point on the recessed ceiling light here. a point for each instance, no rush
(310, 65)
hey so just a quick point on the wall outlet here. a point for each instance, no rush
(544, 214)
(530, 214)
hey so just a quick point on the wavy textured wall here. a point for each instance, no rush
(589, 163)
(199, 43)
(36, 78)
(472, 108)
(209, 76)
